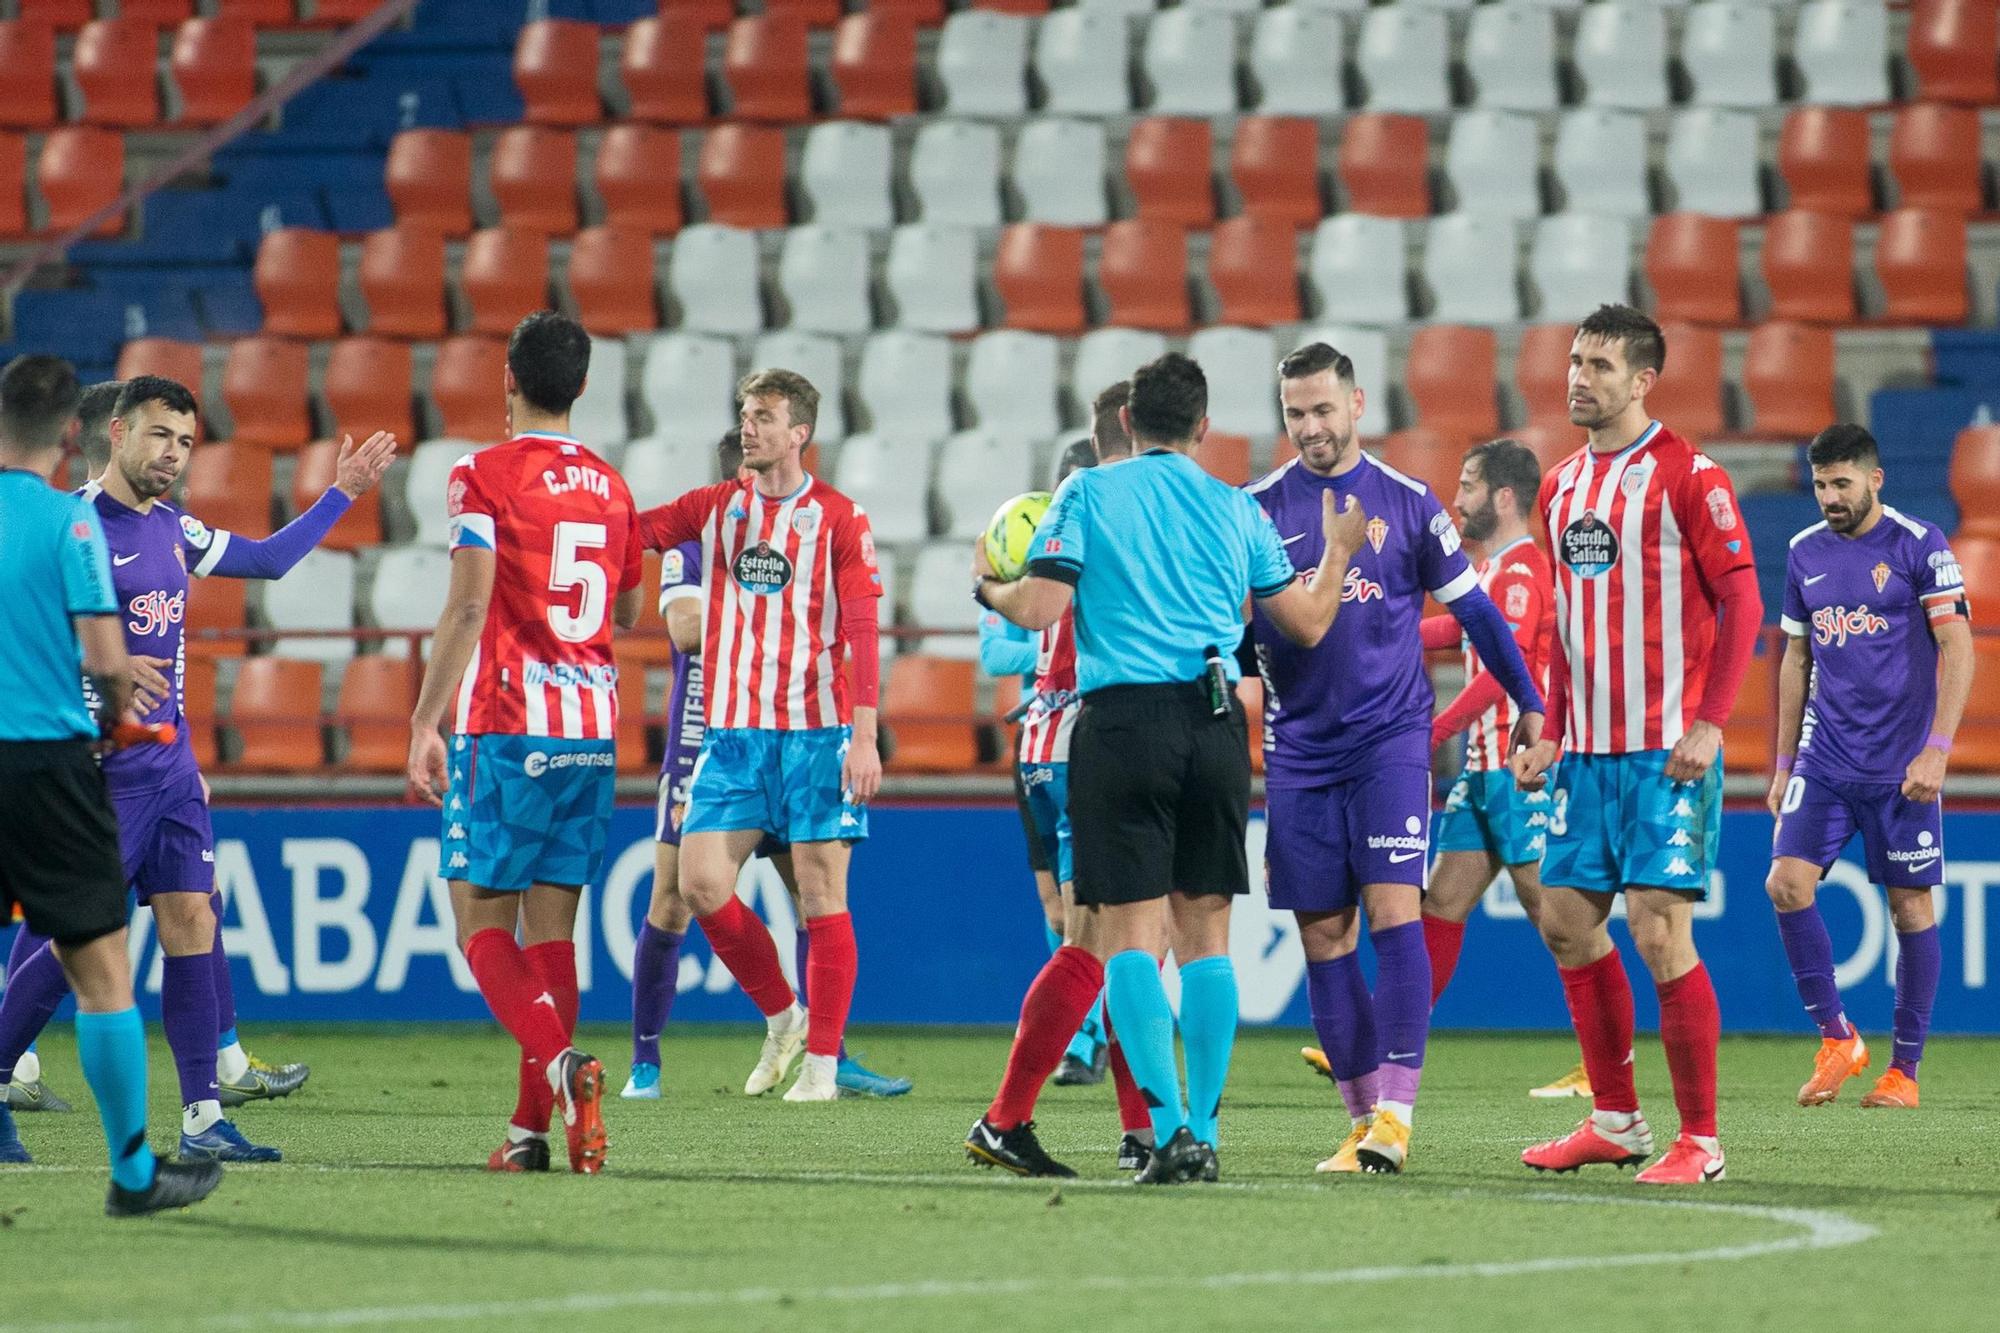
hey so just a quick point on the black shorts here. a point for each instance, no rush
(1038, 857)
(59, 842)
(1159, 795)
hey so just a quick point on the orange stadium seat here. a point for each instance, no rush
(505, 278)
(764, 66)
(466, 386)
(107, 53)
(298, 281)
(81, 170)
(263, 13)
(198, 700)
(818, 13)
(402, 280)
(1225, 457)
(741, 172)
(28, 93)
(214, 66)
(533, 174)
(275, 714)
(1979, 560)
(376, 695)
(1253, 267)
(1550, 443)
(1038, 271)
(922, 696)
(1028, 8)
(875, 64)
(712, 15)
(631, 734)
(1691, 265)
(555, 67)
(1788, 374)
(429, 178)
(1809, 266)
(1934, 155)
(1823, 154)
(162, 12)
(1976, 747)
(1750, 738)
(1274, 161)
(367, 388)
(1541, 372)
(662, 69)
(229, 486)
(650, 648)
(264, 386)
(1167, 165)
(639, 178)
(61, 15)
(1951, 46)
(1689, 395)
(1143, 270)
(1920, 257)
(177, 361)
(13, 186)
(1451, 376)
(339, 13)
(216, 604)
(611, 281)
(361, 525)
(1385, 165)
(1433, 457)
(924, 13)
(1975, 482)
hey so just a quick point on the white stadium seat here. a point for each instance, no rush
(659, 468)
(598, 416)
(823, 274)
(1621, 52)
(1190, 59)
(1010, 380)
(982, 61)
(1580, 261)
(712, 272)
(1404, 59)
(1125, 7)
(1730, 51)
(1059, 172)
(955, 172)
(1083, 58)
(889, 476)
(688, 383)
(1711, 160)
(819, 360)
(1242, 370)
(1842, 51)
(424, 484)
(932, 276)
(1368, 349)
(938, 601)
(1469, 264)
(905, 382)
(409, 589)
(1510, 52)
(1295, 58)
(1357, 267)
(1493, 162)
(1106, 356)
(977, 472)
(318, 593)
(845, 174)
(1600, 161)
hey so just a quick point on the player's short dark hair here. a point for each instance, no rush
(37, 401)
(94, 411)
(800, 397)
(142, 389)
(1105, 427)
(1509, 465)
(1844, 443)
(1314, 358)
(1645, 346)
(1080, 454)
(1169, 399)
(729, 453)
(549, 355)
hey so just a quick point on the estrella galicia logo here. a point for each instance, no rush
(1589, 546)
(759, 569)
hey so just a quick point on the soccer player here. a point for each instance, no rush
(545, 557)
(1656, 618)
(1346, 750)
(1874, 607)
(792, 676)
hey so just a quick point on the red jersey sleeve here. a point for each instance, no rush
(632, 568)
(1524, 600)
(1711, 522)
(470, 505)
(1440, 631)
(855, 573)
(666, 526)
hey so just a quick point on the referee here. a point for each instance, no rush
(1158, 558)
(59, 846)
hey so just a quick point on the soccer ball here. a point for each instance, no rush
(1011, 534)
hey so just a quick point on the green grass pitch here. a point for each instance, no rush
(721, 1212)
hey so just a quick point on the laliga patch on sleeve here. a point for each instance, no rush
(673, 567)
(196, 531)
(1721, 511)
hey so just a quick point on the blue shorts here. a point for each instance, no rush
(1047, 788)
(787, 783)
(667, 831)
(1324, 843)
(1902, 839)
(165, 838)
(525, 810)
(1486, 812)
(1617, 819)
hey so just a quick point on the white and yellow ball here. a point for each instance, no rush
(1011, 535)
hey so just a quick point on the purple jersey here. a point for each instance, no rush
(680, 577)
(1362, 697)
(1867, 606)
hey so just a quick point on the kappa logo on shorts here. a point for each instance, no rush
(1679, 866)
(457, 862)
(456, 833)
(1401, 847)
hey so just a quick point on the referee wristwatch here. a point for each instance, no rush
(979, 583)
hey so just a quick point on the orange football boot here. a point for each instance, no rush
(1894, 1088)
(1839, 1059)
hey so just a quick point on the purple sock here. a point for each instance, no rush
(25, 943)
(225, 989)
(1917, 968)
(1344, 1016)
(35, 986)
(1402, 1008)
(1810, 951)
(656, 970)
(800, 952)
(187, 1011)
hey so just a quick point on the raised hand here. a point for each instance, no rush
(357, 470)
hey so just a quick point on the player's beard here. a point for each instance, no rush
(1851, 516)
(147, 483)
(1598, 413)
(1323, 456)
(1478, 525)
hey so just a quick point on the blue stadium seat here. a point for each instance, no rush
(204, 227)
(338, 113)
(618, 12)
(230, 309)
(80, 326)
(164, 298)
(1968, 357)
(348, 185)
(1914, 427)
(453, 25)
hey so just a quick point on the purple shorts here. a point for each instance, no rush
(1902, 840)
(1326, 842)
(165, 838)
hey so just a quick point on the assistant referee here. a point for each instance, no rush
(1157, 559)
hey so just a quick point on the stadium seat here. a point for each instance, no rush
(1541, 372)
(1823, 155)
(1038, 272)
(1469, 264)
(81, 170)
(1730, 51)
(1550, 444)
(402, 282)
(1809, 266)
(468, 389)
(712, 274)
(932, 276)
(936, 604)
(1083, 59)
(890, 477)
(638, 176)
(661, 67)
(1403, 54)
(275, 715)
(741, 171)
(1976, 746)
(373, 711)
(532, 171)
(229, 487)
(215, 605)
(177, 361)
(688, 384)
(1934, 155)
(1579, 261)
(1241, 365)
(1600, 162)
(1510, 54)
(1493, 163)
(555, 67)
(361, 525)
(338, 13)
(214, 65)
(367, 388)
(264, 387)
(632, 755)
(1225, 457)
(1167, 166)
(429, 178)
(1384, 165)
(1841, 48)
(875, 65)
(955, 173)
(113, 64)
(1357, 268)
(1788, 375)
(764, 67)
(1368, 349)
(657, 470)
(13, 186)
(1621, 54)
(1274, 161)
(978, 471)
(1750, 738)
(198, 702)
(505, 278)
(1010, 381)
(1950, 48)
(921, 699)
(1975, 482)
(59, 15)
(28, 93)
(1059, 172)
(1143, 271)
(1691, 267)
(845, 174)
(1920, 258)
(1453, 382)
(1689, 394)
(1712, 162)
(924, 13)
(1190, 60)
(298, 281)
(823, 276)
(598, 415)
(1253, 267)
(1421, 453)
(1292, 49)
(819, 360)
(982, 63)
(424, 485)
(1106, 356)
(905, 384)
(611, 281)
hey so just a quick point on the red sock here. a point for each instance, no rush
(1442, 941)
(1690, 1029)
(1055, 1008)
(524, 1004)
(1132, 1113)
(830, 968)
(554, 964)
(743, 944)
(1600, 1008)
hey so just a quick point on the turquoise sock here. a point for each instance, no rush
(1208, 1034)
(1053, 936)
(1145, 1026)
(1090, 1036)
(226, 1038)
(112, 1050)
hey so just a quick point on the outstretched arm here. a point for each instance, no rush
(234, 556)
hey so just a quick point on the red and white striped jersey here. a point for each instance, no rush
(1641, 540)
(565, 541)
(1051, 717)
(774, 575)
(1518, 579)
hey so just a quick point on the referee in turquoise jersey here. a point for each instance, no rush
(59, 857)
(1156, 558)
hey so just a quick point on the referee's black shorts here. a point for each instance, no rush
(1159, 795)
(59, 842)
(1038, 856)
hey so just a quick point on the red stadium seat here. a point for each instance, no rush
(1143, 271)
(1975, 481)
(818, 13)
(275, 714)
(376, 696)
(1274, 161)
(229, 487)
(1689, 395)
(1167, 165)
(742, 175)
(1451, 376)
(533, 174)
(367, 388)
(1029, 8)
(631, 734)
(712, 15)
(1920, 257)
(216, 604)
(402, 280)
(1225, 457)
(1788, 374)
(1934, 155)
(214, 66)
(198, 698)
(263, 13)
(1253, 266)
(764, 66)
(1541, 373)
(924, 13)
(662, 69)
(264, 386)
(1038, 271)
(1385, 165)
(611, 281)
(1691, 265)
(1976, 747)
(107, 54)
(361, 525)
(875, 65)
(1433, 457)
(82, 169)
(639, 178)
(60, 15)
(164, 13)
(505, 278)
(466, 387)
(28, 93)
(555, 67)
(1809, 266)
(1823, 154)
(927, 704)
(429, 177)
(1951, 46)
(649, 649)
(298, 282)
(177, 361)
(1550, 444)
(339, 13)
(13, 186)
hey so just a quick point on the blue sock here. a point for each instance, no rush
(1083, 1046)
(227, 1039)
(1208, 1034)
(112, 1050)
(1145, 1024)
(1053, 936)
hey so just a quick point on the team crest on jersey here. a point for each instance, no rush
(868, 546)
(1517, 600)
(1880, 574)
(1378, 532)
(761, 570)
(1442, 529)
(1588, 546)
(454, 497)
(195, 531)
(1635, 480)
(1720, 511)
(805, 522)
